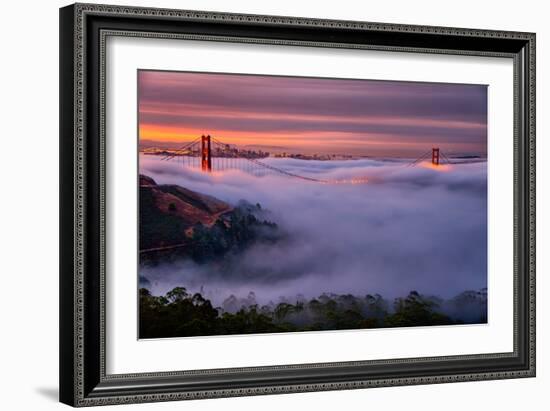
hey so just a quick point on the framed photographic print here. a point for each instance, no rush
(261, 204)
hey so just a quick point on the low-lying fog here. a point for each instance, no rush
(411, 228)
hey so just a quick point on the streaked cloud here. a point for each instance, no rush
(312, 114)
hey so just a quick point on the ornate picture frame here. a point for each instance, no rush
(84, 30)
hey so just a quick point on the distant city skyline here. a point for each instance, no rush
(312, 115)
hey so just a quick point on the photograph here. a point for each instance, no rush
(258, 201)
(282, 204)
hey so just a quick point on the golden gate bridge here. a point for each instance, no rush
(209, 154)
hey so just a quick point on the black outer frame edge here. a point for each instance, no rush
(92, 179)
(527, 184)
(66, 203)
(212, 382)
(94, 388)
(159, 24)
(522, 203)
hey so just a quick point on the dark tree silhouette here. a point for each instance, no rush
(180, 313)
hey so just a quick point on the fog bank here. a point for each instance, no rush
(411, 228)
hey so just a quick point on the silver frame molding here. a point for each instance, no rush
(83, 35)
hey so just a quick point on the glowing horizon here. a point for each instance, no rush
(312, 115)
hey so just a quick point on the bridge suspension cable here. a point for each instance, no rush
(419, 159)
(176, 152)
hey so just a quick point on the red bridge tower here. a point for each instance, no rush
(435, 156)
(206, 157)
